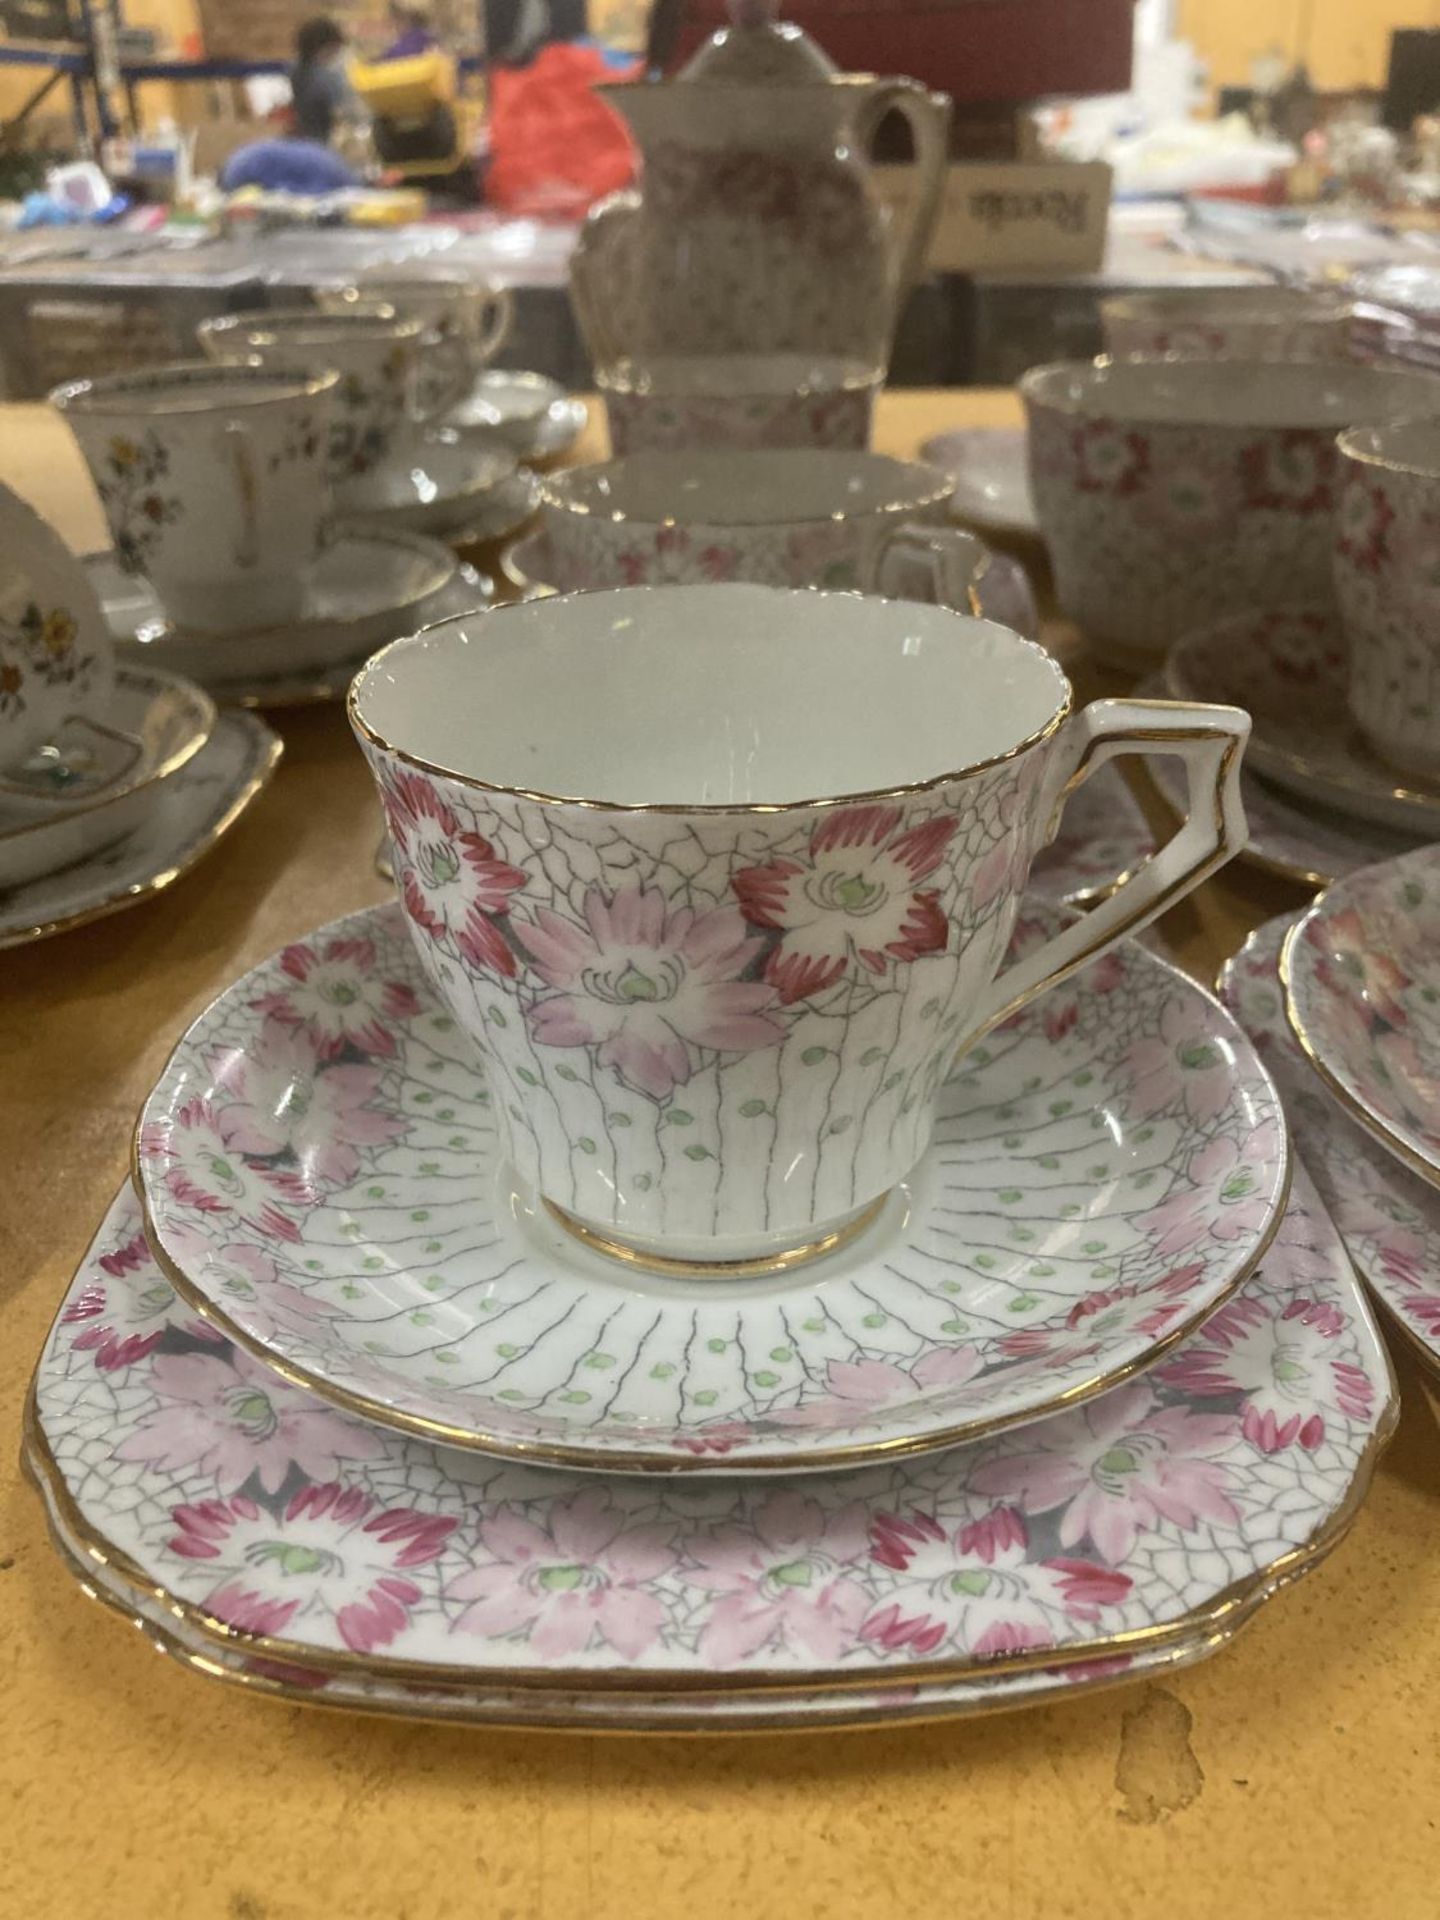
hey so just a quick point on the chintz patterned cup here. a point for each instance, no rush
(751, 400)
(720, 878)
(214, 482)
(56, 658)
(812, 517)
(466, 322)
(1387, 581)
(378, 356)
(1229, 323)
(1174, 493)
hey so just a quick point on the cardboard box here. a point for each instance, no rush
(1021, 217)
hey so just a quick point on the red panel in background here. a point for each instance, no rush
(971, 49)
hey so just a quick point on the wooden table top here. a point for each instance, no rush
(1293, 1774)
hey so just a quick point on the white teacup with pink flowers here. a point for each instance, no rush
(798, 517)
(720, 878)
(1387, 580)
(1174, 493)
(1230, 323)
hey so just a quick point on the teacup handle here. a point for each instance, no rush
(238, 454)
(1211, 742)
(443, 374)
(496, 320)
(948, 562)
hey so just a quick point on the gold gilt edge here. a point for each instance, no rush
(1372, 1123)
(271, 753)
(1217, 1621)
(587, 1459)
(469, 1711)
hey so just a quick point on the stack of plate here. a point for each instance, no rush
(335, 1410)
(118, 774)
(1344, 1003)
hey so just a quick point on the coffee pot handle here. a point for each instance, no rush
(602, 276)
(1210, 740)
(929, 117)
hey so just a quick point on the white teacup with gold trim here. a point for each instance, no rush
(213, 480)
(684, 857)
(797, 517)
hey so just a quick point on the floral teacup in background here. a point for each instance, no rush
(55, 654)
(466, 321)
(1173, 493)
(213, 480)
(377, 356)
(1387, 580)
(720, 917)
(795, 518)
(739, 400)
(1230, 323)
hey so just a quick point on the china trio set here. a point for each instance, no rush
(745, 1238)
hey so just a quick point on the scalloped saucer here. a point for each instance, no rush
(93, 790)
(320, 1168)
(1286, 667)
(312, 1554)
(365, 587)
(990, 468)
(183, 819)
(531, 413)
(1361, 971)
(446, 485)
(1390, 1219)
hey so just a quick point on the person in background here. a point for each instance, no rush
(414, 34)
(322, 94)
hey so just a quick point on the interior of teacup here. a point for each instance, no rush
(190, 386)
(737, 376)
(1412, 446)
(1157, 391)
(709, 696)
(731, 489)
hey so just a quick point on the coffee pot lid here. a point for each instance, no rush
(757, 50)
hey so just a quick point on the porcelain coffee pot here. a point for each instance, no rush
(759, 227)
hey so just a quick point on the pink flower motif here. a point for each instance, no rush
(648, 986)
(1354, 963)
(675, 556)
(1291, 471)
(780, 1583)
(202, 1173)
(581, 1575)
(976, 1588)
(337, 994)
(1059, 1011)
(451, 881)
(1223, 1196)
(1191, 498)
(288, 1099)
(234, 1418)
(331, 1555)
(1363, 520)
(249, 1281)
(857, 897)
(1401, 1066)
(1108, 1307)
(1109, 458)
(1190, 1061)
(859, 1389)
(1119, 1467)
(1280, 1362)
